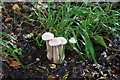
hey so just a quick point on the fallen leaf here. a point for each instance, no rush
(15, 6)
(19, 29)
(52, 66)
(44, 68)
(8, 19)
(37, 59)
(89, 76)
(53, 31)
(112, 71)
(17, 12)
(14, 63)
(30, 35)
(65, 76)
(31, 19)
(3, 12)
(110, 56)
(89, 2)
(51, 77)
(101, 78)
(25, 7)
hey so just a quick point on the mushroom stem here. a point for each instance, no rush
(60, 47)
(49, 50)
(56, 58)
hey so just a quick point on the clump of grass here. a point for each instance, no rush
(10, 47)
(85, 23)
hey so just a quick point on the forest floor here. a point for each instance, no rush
(36, 64)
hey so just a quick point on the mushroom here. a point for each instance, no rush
(60, 47)
(72, 40)
(48, 36)
(54, 43)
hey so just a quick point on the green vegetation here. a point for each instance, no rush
(10, 47)
(86, 23)
(60, 40)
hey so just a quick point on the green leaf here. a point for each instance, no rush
(80, 53)
(4, 41)
(29, 23)
(18, 51)
(12, 51)
(15, 56)
(7, 47)
(100, 40)
(89, 45)
(5, 34)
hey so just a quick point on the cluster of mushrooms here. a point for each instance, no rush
(55, 46)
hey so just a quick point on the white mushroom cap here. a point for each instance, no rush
(63, 40)
(55, 42)
(72, 40)
(47, 36)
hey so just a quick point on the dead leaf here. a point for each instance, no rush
(110, 56)
(112, 71)
(30, 35)
(17, 12)
(8, 19)
(65, 76)
(52, 66)
(3, 12)
(14, 63)
(19, 29)
(53, 31)
(51, 77)
(15, 6)
(25, 7)
(31, 19)
(37, 59)
(101, 78)
(89, 76)
(89, 2)
(44, 68)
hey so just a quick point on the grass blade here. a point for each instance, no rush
(5, 34)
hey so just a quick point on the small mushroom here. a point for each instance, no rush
(48, 36)
(72, 40)
(54, 43)
(60, 47)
